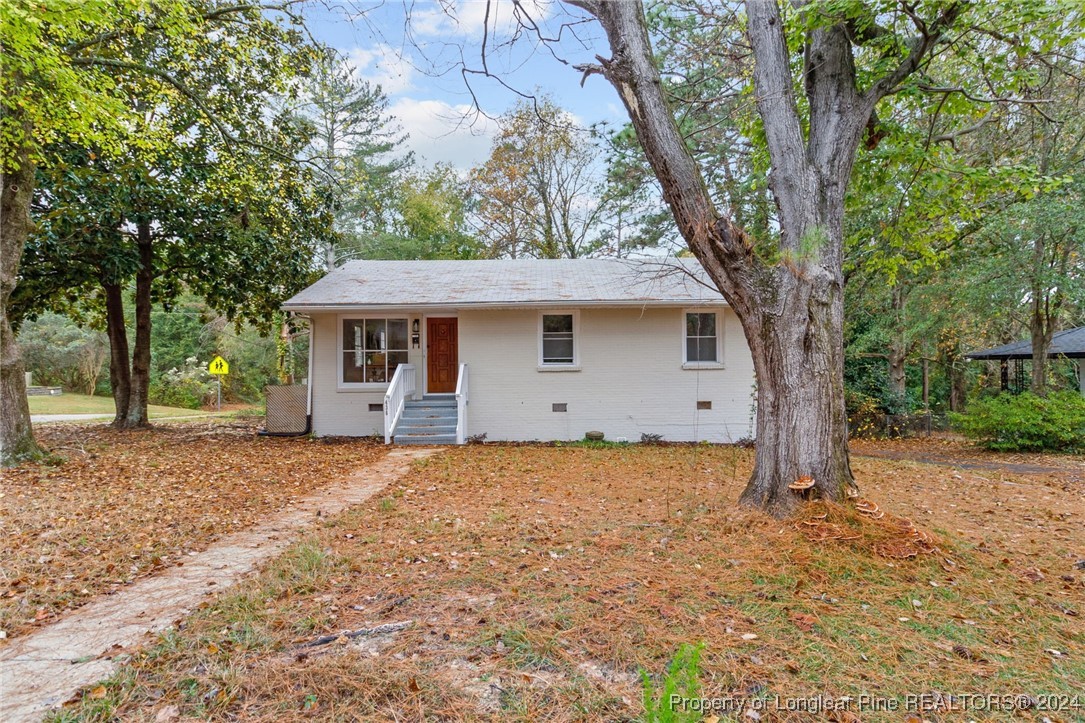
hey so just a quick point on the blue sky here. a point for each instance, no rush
(418, 65)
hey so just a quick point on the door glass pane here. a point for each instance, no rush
(397, 334)
(352, 373)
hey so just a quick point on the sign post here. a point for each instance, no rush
(220, 368)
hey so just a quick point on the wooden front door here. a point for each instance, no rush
(442, 359)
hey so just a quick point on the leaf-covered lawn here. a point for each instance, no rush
(123, 504)
(539, 582)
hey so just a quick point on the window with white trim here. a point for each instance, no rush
(558, 343)
(702, 338)
(372, 349)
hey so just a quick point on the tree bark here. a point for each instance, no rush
(898, 348)
(17, 442)
(141, 354)
(1040, 326)
(120, 374)
(798, 356)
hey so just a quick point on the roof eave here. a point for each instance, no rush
(550, 304)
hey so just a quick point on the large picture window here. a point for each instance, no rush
(558, 343)
(702, 338)
(372, 349)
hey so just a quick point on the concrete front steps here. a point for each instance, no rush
(430, 420)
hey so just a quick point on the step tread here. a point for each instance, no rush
(425, 439)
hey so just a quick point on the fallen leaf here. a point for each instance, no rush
(167, 714)
(803, 621)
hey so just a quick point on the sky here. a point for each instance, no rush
(416, 52)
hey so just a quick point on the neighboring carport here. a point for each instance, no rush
(1069, 344)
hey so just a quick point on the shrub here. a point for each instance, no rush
(1026, 422)
(189, 387)
(866, 417)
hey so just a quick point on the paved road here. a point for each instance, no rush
(41, 418)
(46, 418)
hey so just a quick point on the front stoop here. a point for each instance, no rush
(430, 420)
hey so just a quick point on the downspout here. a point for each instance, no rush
(308, 389)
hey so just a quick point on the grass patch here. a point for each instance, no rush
(69, 403)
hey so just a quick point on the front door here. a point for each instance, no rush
(442, 360)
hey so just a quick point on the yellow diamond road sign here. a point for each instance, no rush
(218, 365)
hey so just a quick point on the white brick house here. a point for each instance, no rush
(436, 351)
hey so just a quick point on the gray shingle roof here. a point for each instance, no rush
(1069, 343)
(509, 282)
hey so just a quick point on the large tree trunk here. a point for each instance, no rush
(16, 188)
(1041, 334)
(790, 306)
(949, 352)
(141, 355)
(120, 374)
(801, 421)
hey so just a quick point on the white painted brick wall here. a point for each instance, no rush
(631, 380)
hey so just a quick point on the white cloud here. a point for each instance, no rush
(444, 133)
(382, 65)
(467, 18)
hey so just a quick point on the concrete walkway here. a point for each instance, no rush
(43, 670)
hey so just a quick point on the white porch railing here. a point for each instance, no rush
(461, 405)
(399, 391)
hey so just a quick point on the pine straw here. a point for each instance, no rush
(865, 528)
(116, 506)
(542, 581)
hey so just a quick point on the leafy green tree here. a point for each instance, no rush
(540, 193)
(357, 147)
(429, 220)
(184, 220)
(61, 353)
(69, 71)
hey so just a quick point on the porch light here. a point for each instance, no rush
(415, 340)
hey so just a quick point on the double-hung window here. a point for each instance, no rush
(702, 339)
(557, 342)
(372, 349)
